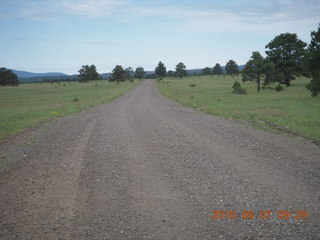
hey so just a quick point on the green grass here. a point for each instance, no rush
(293, 109)
(27, 105)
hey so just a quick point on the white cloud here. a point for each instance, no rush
(241, 16)
(236, 16)
(93, 8)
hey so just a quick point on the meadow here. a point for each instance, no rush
(292, 110)
(27, 105)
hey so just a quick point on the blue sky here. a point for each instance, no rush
(63, 35)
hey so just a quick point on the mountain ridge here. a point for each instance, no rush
(26, 74)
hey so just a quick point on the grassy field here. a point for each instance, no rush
(292, 110)
(27, 105)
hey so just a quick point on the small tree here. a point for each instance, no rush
(206, 71)
(254, 69)
(286, 51)
(217, 69)
(237, 89)
(161, 70)
(232, 68)
(139, 73)
(313, 62)
(8, 78)
(181, 70)
(129, 73)
(118, 74)
(88, 73)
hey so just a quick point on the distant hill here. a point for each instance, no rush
(105, 75)
(30, 77)
(24, 74)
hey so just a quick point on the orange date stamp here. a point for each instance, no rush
(267, 214)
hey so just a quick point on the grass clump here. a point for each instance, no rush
(279, 88)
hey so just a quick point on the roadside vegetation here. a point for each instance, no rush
(273, 90)
(27, 105)
(292, 110)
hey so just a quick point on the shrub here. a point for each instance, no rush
(237, 89)
(252, 116)
(279, 88)
(192, 85)
(76, 100)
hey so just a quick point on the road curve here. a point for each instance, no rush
(145, 167)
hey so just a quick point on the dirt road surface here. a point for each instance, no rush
(145, 167)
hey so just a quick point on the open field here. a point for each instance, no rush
(292, 110)
(26, 105)
(146, 167)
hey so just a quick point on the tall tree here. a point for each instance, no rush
(139, 73)
(217, 69)
(181, 70)
(232, 68)
(286, 51)
(7, 77)
(118, 74)
(254, 69)
(206, 71)
(161, 70)
(88, 73)
(313, 62)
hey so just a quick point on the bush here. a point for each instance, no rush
(237, 89)
(314, 86)
(76, 100)
(279, 88)
(192, 85)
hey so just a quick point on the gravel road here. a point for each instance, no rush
(145, 167)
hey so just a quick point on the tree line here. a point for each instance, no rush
(287, 56)
(119, 74)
